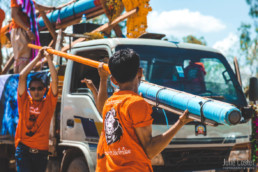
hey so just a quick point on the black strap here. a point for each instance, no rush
(157, 100)
(201, 110)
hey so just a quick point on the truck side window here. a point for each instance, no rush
(81, 71)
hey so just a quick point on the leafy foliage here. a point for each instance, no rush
(253, 8)
(248, 44)
(194, 40)
(245, 38)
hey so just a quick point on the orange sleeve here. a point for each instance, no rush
(101, 157)
(2, 16)
(51, 98)
(14, 3)
(140, 113)
(202, 67)
(21, 99)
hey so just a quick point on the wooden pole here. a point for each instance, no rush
(48, 24)
(75, 58)
(77, 20)
(104, 27)
(8, 65)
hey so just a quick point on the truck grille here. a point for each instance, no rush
(193, 159)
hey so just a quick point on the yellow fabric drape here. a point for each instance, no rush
(137, 23)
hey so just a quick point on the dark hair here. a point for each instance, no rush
(124, 65)
(37, 79)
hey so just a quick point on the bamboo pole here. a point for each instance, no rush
(48, 24)
(75, 58)
(8, 65)
(103, 27)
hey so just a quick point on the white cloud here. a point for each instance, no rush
(182, 22)
(227, 44)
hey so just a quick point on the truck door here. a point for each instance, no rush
(80, 120)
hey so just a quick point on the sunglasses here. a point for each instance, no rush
(36, 88)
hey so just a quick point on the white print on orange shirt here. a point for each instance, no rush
(111, 102)
(119, 151)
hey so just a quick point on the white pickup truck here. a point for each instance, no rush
(76, 124)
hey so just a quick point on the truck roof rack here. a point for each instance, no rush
(152, 35)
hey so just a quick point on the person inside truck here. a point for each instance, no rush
(194, 75)
(35, 113)
(126, 142)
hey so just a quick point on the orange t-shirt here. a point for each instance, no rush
(2, 16)
(35, 117)
(23, 16)
(119, 148)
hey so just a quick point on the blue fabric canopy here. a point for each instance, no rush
(71, 10)
(218, 111)
(8, 100)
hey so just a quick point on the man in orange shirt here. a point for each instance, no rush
(2, 16)
(35, 113)
(126, 143)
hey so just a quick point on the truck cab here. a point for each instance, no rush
(186, 67)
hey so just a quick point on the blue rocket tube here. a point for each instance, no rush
(71, 11)
(214, 110)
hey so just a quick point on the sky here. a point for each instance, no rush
(216, 20)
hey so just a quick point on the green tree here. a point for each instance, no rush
(249, 44)
(253, 12)
(192, 39)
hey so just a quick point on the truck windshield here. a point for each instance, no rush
(198, 72)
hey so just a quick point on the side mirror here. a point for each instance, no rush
(253, 89)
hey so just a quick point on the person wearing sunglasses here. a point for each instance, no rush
(35, 113)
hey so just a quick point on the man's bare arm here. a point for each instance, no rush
(53, 72)
(24, 73)
(154, 145)
(102, 93)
